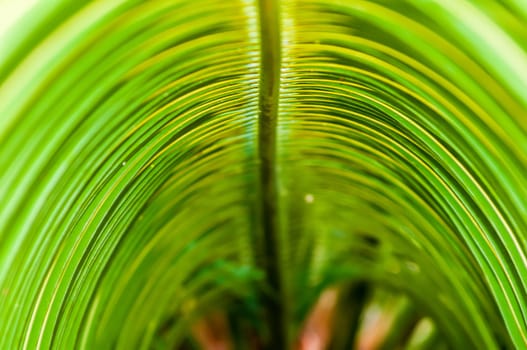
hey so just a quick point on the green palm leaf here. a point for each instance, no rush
(161, 161)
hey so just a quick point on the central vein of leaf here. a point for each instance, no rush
(270, 219)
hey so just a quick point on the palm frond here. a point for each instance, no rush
(161, 161)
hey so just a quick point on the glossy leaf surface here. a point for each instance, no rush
(163, 160)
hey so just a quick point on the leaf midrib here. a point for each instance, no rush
(275, 312)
